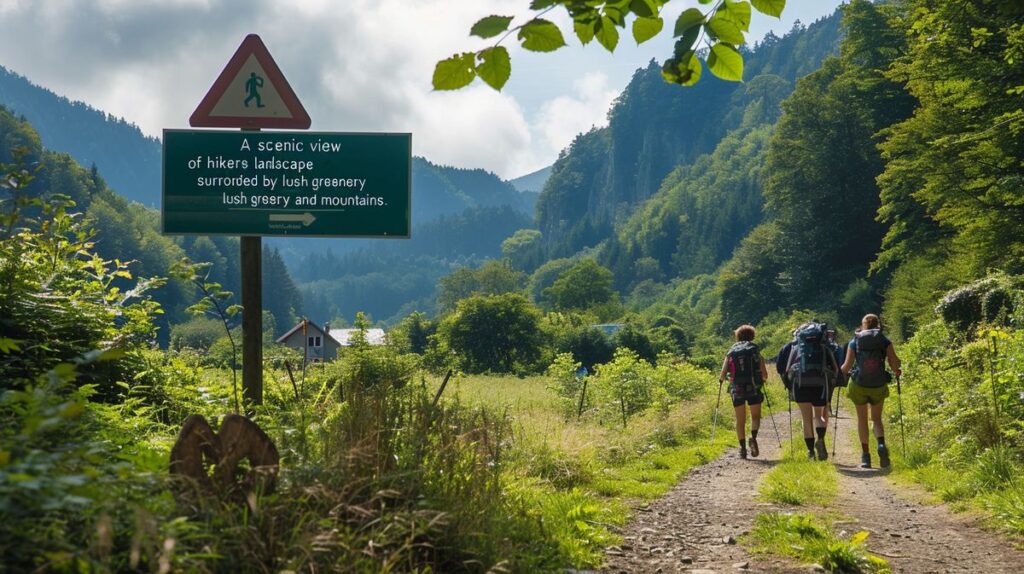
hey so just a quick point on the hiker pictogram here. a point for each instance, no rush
(251, 92)
(252, 87)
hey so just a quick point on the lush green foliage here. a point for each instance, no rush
(585, 285)
(723, 28)
(491, 278)
(625, 386)
(653, 129)
(499, 333)
(375, 477)
(951, 181)
(964, 414)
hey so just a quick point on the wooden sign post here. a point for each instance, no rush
(251, 93)
(254, 183)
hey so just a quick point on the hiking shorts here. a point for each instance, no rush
(817, 396)
(866, 395)
(751, 400)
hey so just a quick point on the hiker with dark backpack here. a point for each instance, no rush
(809, 371)
(746, 371)
(866, 357)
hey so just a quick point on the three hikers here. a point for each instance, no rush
(811, 367)
(746, 371)
(866, 357)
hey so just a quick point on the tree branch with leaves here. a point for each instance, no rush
(213, 303)
(721, 28)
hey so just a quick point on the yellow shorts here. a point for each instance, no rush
(866, 395)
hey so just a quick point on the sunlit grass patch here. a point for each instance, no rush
(652, 475)
(1007, 508)
(579, 477)
(800, 482)
(807, 538)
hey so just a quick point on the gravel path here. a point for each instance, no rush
(694, 527)
(915, 538)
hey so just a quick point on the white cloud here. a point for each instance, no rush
(361, 65)
(356, 64)
(561, 119)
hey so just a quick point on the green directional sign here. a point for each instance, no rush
(286, 183)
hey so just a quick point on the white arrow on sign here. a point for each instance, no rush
(305, 218)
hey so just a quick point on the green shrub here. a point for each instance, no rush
(1007, 508)
(562, 470)
(995, 468)
(568, 385)
(804, 537)
(625, 387)
(198, 333)
(588, 345)
(991, 300)
(496, 333)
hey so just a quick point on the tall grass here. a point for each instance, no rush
(583, 476)
(374, 476)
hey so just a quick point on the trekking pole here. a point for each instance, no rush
(717, 403)
(789, 402)
(903, 434)
(768, 402)
(835, 424)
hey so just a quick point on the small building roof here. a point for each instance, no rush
(609, 329)
(344, 336)
(311, 326)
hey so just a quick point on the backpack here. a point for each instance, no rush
(744, 361)
(871, 346)
(811, 362)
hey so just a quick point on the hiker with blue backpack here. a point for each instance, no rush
(809, 370)
(866, 357)
(746, 371)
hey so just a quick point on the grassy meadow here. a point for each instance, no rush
(584, 477)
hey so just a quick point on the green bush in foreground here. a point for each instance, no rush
(964, 415)
(804, 537)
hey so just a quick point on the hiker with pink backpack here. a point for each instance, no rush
(745, 369)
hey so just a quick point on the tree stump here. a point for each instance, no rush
(199, 449)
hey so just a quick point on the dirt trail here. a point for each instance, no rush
(914, 538)
(694, 527)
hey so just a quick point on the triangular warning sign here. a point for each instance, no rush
(251, 92)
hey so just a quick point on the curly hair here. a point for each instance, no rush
(745, 333)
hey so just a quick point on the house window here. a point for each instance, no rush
(314, 341)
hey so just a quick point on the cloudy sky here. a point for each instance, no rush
(357, 65)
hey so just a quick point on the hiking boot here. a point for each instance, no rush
(753, 447)
(743, 453)
(865, 460)
(810, 455)
(883, 457)
(819, 445)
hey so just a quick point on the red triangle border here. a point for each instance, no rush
(252, 45)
